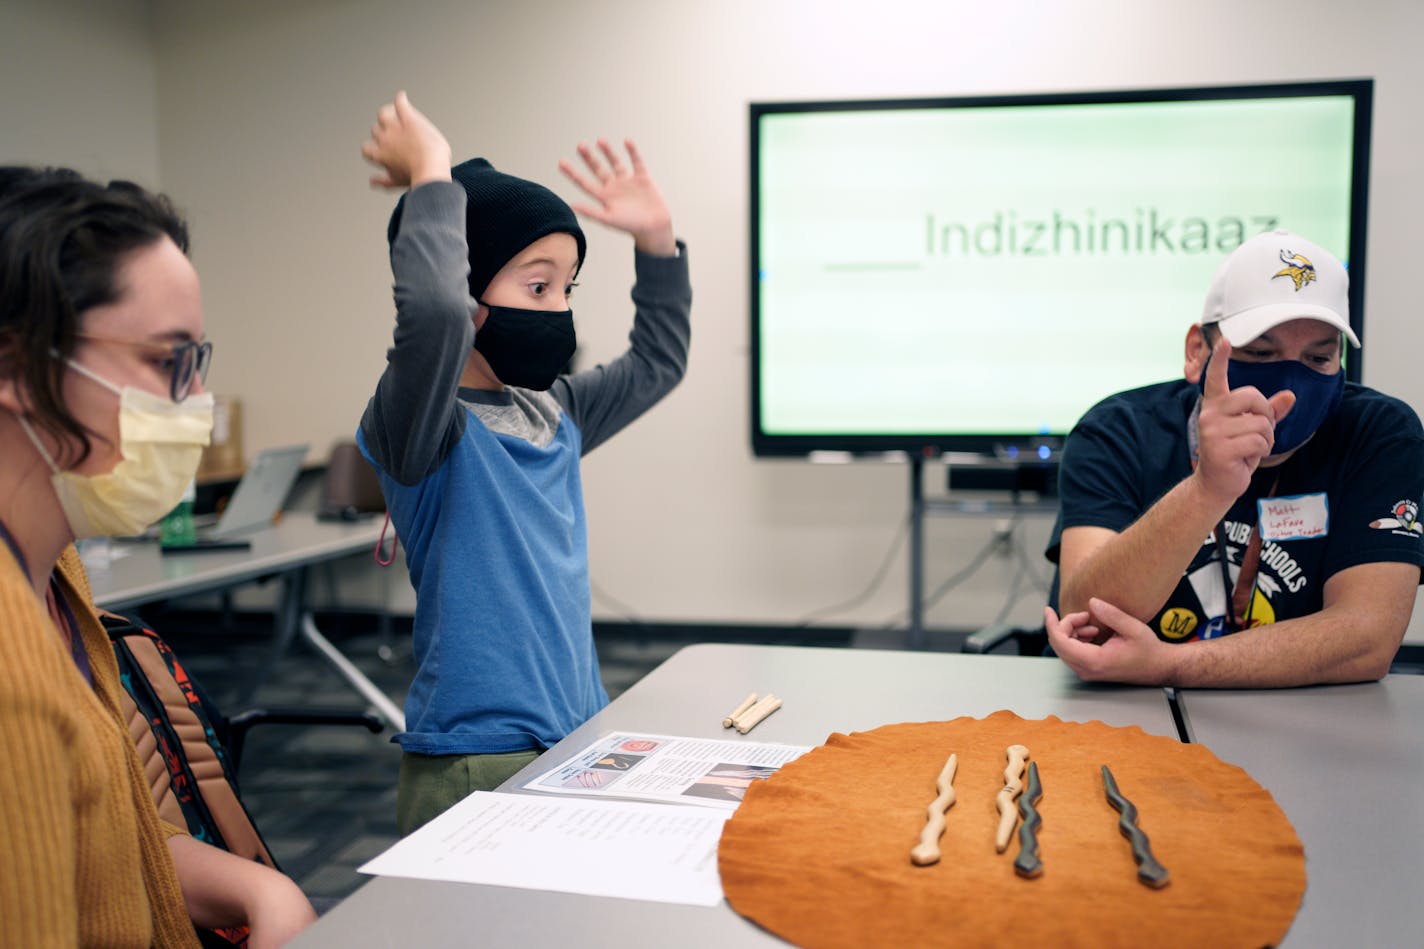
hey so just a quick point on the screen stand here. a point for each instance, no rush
(915, 638)
(1024, 478)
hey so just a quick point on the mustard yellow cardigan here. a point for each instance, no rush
(83, 855)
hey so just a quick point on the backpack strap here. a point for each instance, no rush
(188, 769)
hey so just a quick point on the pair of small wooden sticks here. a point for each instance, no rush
(749, 714)
(1028, 863)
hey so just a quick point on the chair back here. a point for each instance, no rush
(350, 485)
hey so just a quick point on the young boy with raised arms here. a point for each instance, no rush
(476, 436)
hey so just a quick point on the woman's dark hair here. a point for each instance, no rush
(63, 239)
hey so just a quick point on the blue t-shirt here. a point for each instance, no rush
(1357, 485)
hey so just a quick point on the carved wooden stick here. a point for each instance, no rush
(1149, 871)
(747, 703)
(1028, 864)
(927, 851)
(753, 716)
(1018, 754)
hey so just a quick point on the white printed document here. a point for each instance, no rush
(621, 849)
(707, 772)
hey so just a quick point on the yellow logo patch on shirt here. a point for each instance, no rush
(1178, 623)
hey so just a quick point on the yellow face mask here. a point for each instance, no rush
(161, 442)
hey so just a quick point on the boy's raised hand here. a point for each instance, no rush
(407, 147)
(625, 195)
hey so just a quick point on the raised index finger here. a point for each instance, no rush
(1216, 384)
(402, 105)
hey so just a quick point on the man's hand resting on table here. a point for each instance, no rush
(1104, 644)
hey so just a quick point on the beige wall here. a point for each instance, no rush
(80, 87)
(263, 105)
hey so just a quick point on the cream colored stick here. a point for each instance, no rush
(749, 719)
(926, 851)
(752, 709)
(747, 703)
(1008, 815)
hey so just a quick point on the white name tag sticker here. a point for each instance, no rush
(1299, 517)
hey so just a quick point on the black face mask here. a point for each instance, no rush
(527, 348)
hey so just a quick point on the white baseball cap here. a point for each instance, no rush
(1275, 277)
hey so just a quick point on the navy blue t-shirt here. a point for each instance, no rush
(1348, 496)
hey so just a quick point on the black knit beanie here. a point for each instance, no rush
(503, 215)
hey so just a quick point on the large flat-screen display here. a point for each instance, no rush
(973, 274)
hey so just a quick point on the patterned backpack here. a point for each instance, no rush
(188, 769)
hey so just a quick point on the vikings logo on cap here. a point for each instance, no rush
(1298, 267)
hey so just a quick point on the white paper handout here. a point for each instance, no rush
(707, 772)
(620, 849)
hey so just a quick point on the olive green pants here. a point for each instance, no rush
(432, 784)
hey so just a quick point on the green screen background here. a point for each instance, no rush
(900, 292)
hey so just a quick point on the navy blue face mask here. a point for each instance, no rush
(527, 348)
(1317, 395)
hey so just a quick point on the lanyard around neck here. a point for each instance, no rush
(1242, 598)
(67, 625)
(1238, 608)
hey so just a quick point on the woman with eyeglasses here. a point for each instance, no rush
(102, 421)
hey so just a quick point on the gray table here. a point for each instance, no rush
(825, 690)
(143, 574)
(1346, 764)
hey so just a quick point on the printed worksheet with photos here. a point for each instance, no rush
(708, 772)
(624, 849)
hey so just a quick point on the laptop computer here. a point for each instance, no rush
(260, 493)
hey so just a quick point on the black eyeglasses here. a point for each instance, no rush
(184, 362)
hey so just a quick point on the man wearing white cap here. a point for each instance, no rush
(1255, 525)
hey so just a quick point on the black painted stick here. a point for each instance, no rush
(1149, 871)
(1027, 863)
